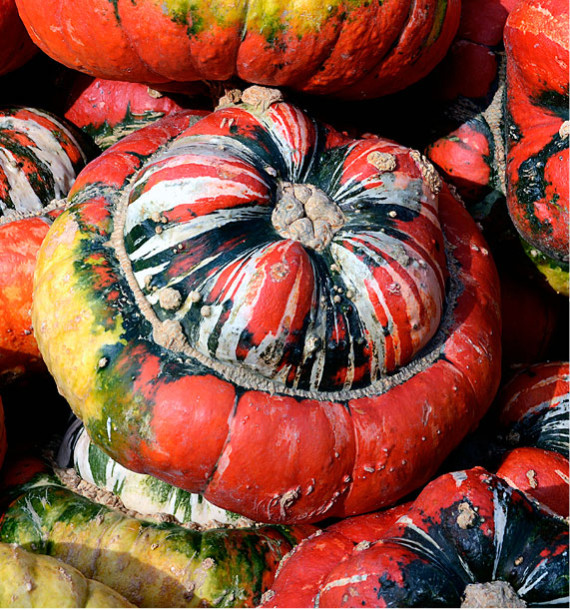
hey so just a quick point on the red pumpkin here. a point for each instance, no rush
(537, 128)
(110, 110)
(468, 536)
(282, 286)
(533, 417)
(351, 49)
(16, 47)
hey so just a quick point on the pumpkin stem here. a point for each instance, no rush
(494, 594)
(306, 214)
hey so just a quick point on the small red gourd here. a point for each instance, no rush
(533, 419)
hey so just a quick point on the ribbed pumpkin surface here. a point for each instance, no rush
(289, 290)
(466, 529)
(354, 48)
(39, 160)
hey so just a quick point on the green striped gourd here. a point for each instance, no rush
(152, 565)
(142, 493)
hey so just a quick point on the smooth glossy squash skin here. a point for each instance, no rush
(272, 453)
(351, 48)
(110, 110)
(465, 527)
(16, 48)
(537, 127)
(28, 580)
(20, 242)
(152, 565)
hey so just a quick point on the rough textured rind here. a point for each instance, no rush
(152, 565)
(353, 48)
(426, 554)
(146, 396)
(28, 580)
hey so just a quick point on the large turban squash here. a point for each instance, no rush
(261, 309)
(352, 48)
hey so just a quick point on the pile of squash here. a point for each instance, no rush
(284, 303)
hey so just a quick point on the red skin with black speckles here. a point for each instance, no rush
(536, 43)
(461, 521)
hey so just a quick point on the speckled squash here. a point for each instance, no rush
(28, 580)
(110, 110)
(284, 287)
(537, 130)
(16, 48)
(534, 408)
(39, 160)
(152, 565)
(467, 536)
(350, 48)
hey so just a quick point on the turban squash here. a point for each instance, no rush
(537, 132)
(467, 535)
(39, 160)
(353, 48)
(263, 310)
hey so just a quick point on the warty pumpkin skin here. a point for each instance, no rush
(466, 530)
(325, 382)
(16, 48)
(152, 565)
(349, 48)
(537, 129)
(86, 464)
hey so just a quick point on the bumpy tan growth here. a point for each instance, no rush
(305, 214)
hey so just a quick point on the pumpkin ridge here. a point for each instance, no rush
(169, 334)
